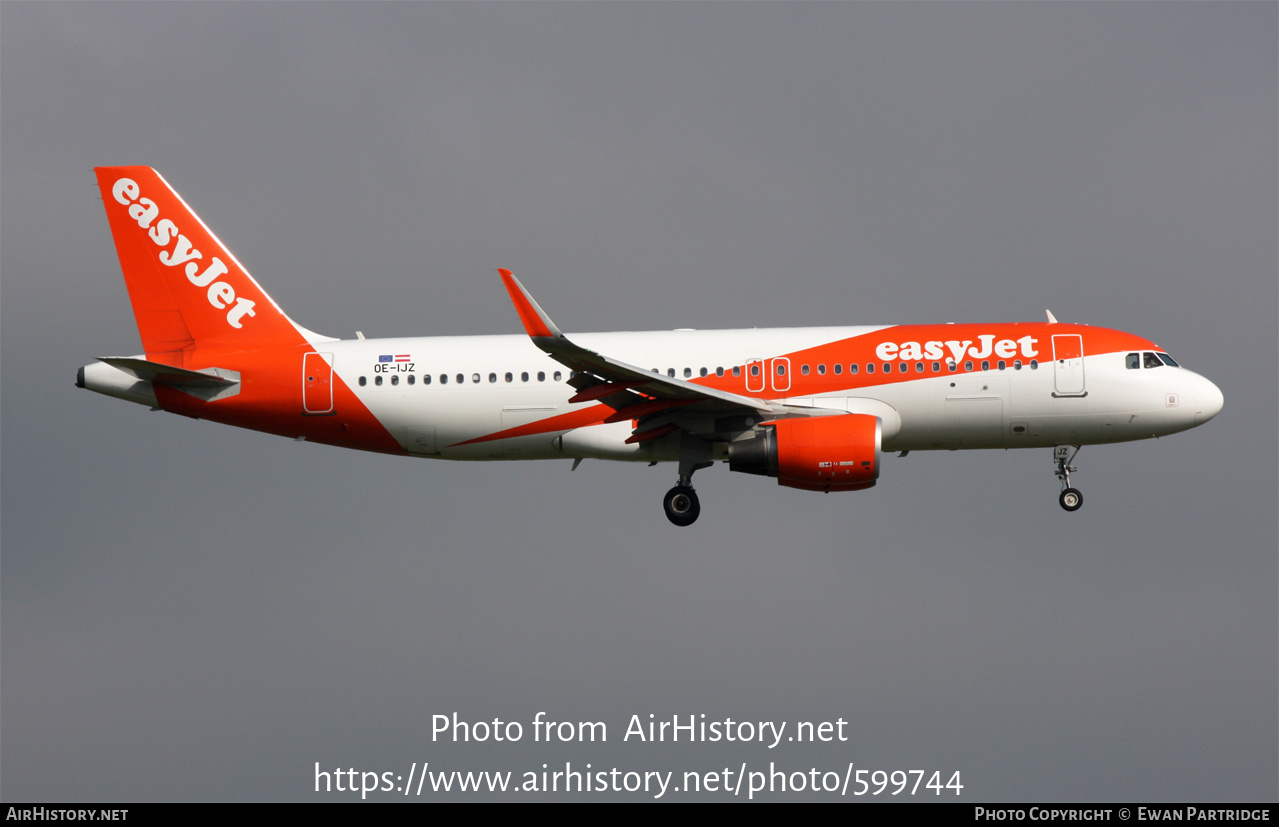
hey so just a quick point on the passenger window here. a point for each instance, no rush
(541, 376)
(737, 370)
(919, 367)
(888, 368)
(492, 378)
(781, 369)
(839, 369)
(952, 367)
(558, 375)
(688, 373)
(870, 367)
(412, 379)
(377, 380)
(968, 365)
(1002, 364)
(754, 370)
(804, 370)
(702, 372)
(426, 379)
(1017, 365)
(508, 376)
(821, 370)
(936, 367)
(853, 367)
(524, 376)
(1150, 360)
(1132, 361)
(461, 379)
(1034, 364)
(395, 380)
(670, 372)
(985, 365)
(719, 371)
(903, 367)
(363, 381)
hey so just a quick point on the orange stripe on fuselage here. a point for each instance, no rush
(270, 400)
(862, 350)
(594, 415)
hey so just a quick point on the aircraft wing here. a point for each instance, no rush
(635, 393)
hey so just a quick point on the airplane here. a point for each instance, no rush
(816, 408)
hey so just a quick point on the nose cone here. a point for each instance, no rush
(1208, 401)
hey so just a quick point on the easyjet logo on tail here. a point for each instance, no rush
(164, 232)
(986, 345)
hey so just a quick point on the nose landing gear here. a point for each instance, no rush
(1071, 498)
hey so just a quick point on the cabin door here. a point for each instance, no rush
(1068, 364)
(317, 383)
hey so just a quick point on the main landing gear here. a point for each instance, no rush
(682, 507)
(1071, 498)
(681, 503)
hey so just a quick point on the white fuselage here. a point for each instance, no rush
(483, 385)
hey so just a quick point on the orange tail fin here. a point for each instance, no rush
(187, 289)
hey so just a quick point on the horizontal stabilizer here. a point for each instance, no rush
(169, 375)
(208, 384)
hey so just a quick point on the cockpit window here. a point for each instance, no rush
(1167, 360)
(1133, 361)
(1150, 360)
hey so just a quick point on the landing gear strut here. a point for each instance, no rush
(1071, 498)
(680, 503)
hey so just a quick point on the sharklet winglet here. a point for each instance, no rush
(548, 338)
(536, 323)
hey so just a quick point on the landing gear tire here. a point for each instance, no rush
(682, 507)
(1070, 498)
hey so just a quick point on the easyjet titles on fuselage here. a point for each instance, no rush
(914, 351)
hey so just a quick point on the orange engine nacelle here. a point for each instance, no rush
(817, 453)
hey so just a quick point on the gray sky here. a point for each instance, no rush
(192, 612)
